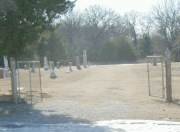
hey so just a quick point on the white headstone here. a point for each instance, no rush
(58, 64)
(6, 67)
(70, 67)
(33, 68)
(85, 58)
(46, 66)
(78, 65)
(52, 72)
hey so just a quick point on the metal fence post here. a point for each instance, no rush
(148, 71)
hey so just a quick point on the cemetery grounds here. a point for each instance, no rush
(99, 92)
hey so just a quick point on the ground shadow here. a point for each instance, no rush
(25, 113)
(21, 116)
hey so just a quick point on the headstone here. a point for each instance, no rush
(154, 61)
(33, 68)
(78, 63)
(52, 72)
(46, 66)
(6, 67)
(58, 65)
(25, 67)
(85, 58)
(70, 67)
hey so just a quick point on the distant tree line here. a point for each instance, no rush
(113, 38)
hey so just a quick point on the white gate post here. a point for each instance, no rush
(14, 80)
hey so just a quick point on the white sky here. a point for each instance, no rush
(120, 6)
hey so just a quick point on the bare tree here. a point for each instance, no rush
(146, 24)
(100, 21)
(92, 30)
(166, 15)
(70, 29)
(132, 22)
(101, 26)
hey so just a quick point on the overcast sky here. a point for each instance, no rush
(120, 6)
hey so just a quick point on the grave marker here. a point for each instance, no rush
(85, 58)
(52, 72)
(46, 66)
(58, 65)
(33, 68)
(78, 63)
(6, 67)
(70, 67)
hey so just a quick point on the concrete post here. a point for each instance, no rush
(168, 76)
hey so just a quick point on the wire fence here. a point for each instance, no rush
(156, 76)
(29, 82)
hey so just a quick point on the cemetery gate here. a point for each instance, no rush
(29, 83)
(21, 82)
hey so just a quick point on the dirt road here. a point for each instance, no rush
(98, 93)
(105, 93)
